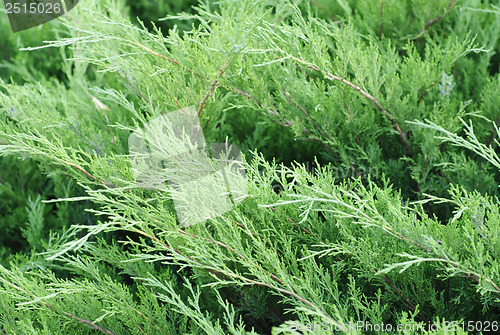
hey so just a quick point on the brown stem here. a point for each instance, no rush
(90, 323)
(274, 111)
(230, 249)
(381, 15)
(88, 174)
(303, 111)
(435, 20)
(366, 95)
(424, 93)
(149, 102)
(93, 325)
(398, 292)
(81, 169)
(212, 88)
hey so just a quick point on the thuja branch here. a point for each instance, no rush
(219, 273)
(398, 292)
(426, 91)
(367, 95)
(253, 233)
(494, 132)
(273, 112)
(469, 272)
(212, 88)
(438, 18)
(284, 291)
(165, 57)
(433, 21)
(379, 32)
(230, 249)
(288, 98)
(88, 174)
(69, 315)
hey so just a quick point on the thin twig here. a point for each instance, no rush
(219, 273)
(282, 290)
(90, 323)
(402, 136)
(471, 274)
(338, 22)
(381, 15)
(212, 88)
(253, 233)
(435, 20)
(274, 111)
(424, 93)
(166, 58)
(398, 292)
(88, 174)
(494, 133)
(230, 249)
(285, 93)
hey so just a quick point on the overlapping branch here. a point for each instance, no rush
(69, 315)
(367, 95)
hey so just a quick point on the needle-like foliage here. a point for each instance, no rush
(369, 136)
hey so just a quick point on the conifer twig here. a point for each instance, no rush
(287, 292)
(494, 132)
(165, 57)
(379, 32)
(433, 21)
(274, 112)
(253, 233)
(470, 273)
(219, 273)
(287, 96)
(88, 174)
(69, 315)
(366, 95)
(426, 91)
(230, 249)
(216, 272)
(334, 19)
(438, 18)
(398, 292)
(212, 88)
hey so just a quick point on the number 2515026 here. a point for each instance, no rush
(33, 8)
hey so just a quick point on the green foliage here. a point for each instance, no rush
(394, 107)
(152, 13)
(20, 67)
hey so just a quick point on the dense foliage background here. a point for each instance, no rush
(369, 131)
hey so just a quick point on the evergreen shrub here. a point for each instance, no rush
(370, 140)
